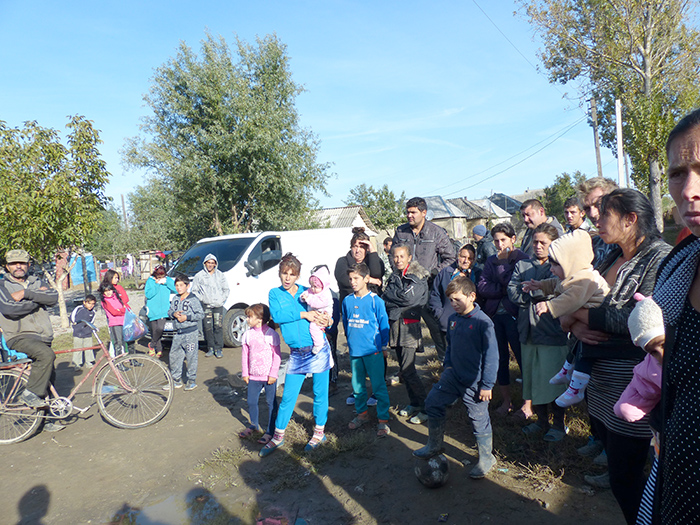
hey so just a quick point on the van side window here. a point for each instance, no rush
(267, 254)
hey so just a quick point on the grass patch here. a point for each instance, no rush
(289, 467)
(541, 477)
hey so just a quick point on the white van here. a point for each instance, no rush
(250, 263)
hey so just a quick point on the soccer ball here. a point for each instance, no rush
(433, 472)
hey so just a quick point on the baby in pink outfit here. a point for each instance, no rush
(646, 325)
(318, 297)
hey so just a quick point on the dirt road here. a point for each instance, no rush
(192, 468)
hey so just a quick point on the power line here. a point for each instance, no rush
(509, 158)
(512, 44)
(564, 132)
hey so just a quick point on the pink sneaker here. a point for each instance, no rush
(570, 397)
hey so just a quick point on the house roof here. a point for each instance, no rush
(439, 208)
(493, 208)
(471, 211)
(346, 217)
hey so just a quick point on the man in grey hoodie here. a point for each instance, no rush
(211, 288)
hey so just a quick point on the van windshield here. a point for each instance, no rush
(227, 251)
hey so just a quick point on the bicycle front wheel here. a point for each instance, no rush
(17, 421)
(138, 394)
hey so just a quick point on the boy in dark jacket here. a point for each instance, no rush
(82, 333)
(471, 364)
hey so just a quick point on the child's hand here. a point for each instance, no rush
(541, 308)
(529, 286)
(271, 380)
(484, 395)
(245, 378)
(303, 297)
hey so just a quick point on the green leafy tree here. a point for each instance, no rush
(642, 52)
(383, 208)
(555, 195)
(225, 136)
(52, 195)
(159, 221)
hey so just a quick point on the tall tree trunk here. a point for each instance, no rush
(655, 192)
(87, 287)
(57, 284)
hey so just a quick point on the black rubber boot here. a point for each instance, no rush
(436, 432)
(486, 458)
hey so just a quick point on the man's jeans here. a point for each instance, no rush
(213, 325)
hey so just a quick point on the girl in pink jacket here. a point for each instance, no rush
(259, 368)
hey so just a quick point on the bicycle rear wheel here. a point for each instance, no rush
(17, 421)
(140, 398)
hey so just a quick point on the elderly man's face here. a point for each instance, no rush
(18, 270)
(591, 204)
(533, 217)
(684, 177)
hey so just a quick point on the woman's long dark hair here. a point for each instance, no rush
(624, 201)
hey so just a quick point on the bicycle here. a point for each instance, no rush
(132, 390)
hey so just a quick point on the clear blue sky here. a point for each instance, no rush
(427, 97)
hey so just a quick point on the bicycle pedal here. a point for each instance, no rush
(82, 410)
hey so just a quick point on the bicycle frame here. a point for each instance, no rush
(25, 367)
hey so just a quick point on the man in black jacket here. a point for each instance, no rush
(430, 245)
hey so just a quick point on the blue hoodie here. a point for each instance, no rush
(158, 297)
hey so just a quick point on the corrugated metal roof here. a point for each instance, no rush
(346, 217)
(493, 208)
(471, 210)
(439, 208)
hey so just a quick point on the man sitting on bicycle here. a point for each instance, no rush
(26, 324)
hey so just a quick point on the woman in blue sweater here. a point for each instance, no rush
(157, 292)
(290, 313)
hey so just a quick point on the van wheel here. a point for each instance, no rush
(235, 325)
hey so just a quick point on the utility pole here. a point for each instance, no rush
(620, 151)
(126, 224)
(596, 137)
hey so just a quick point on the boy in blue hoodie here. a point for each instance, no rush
(471, 364)
(366, 326)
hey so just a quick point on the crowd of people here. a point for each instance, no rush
(604, 311)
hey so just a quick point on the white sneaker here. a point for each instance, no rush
(561, 378)
(570, 397)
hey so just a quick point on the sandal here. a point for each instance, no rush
(383, 430)
(151, 352)
(358, 422)
(265, 439)
(313, 445)
(158, 354)
(554, 434)
(247, 432)
(532, 428)
(270, 448)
